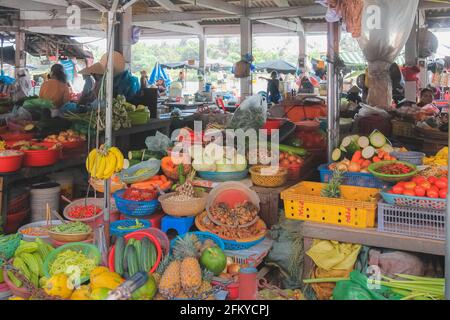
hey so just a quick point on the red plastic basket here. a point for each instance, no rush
(16, 136)
(11, 163)
(15, 220)
(272, 124)
(138, 235)
(41, 158)
(18, 292)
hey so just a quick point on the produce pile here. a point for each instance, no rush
(84, 212)
(134, 194)
(395, 168)
(214, 158)
(440, 159)
(65, 136)
(420, 186)
(103, 163)
(31, 146)
(35, 231)
(357, 153)
(134, 256)
(241, 214)
(69, 258)
(155, 182)
(29, 261)
(76, 227)
(188, 272)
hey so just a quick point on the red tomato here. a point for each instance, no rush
(443, 193)
(433, 193)
(410, 185)
(401, 184)
(426, 185)
(398, 189)
(409, 192)
(432, 180)
(443, 179)
(441, 184)
(419, 179)
(434, 188)
(420, 191)
(391, 192)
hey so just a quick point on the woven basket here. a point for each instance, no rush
(403, 129)
(187, 208)
(277, 179)
(99, 186)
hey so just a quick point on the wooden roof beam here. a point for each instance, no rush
(169, 5)
(217, 5)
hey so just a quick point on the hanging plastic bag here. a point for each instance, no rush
(158, 143)
(386, 25)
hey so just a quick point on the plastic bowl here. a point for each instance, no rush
(57, 244)
(16, 136)
(412, 157)
(94, 221)
(138, 235)
(223, 176)
(87, 249)
(70, 237)
(11, 163)
(37, 224)
(41, 158)
(389, 177)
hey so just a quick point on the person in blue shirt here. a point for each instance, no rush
(273, 88)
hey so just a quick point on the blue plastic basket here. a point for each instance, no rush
(223, 176)
(234, 245)
(8, 248)
(409, 201)
(357, 179)
(115, 231)
(135, 208)
(203, 236)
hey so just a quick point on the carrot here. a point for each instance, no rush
(376, 159)
(366, 163)
(166, 185)
(163, 178)
(356, 156)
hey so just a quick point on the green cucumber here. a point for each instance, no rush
(128, 247)
(295, 150)
(14, 280)
(138, 247)
(152, 256)
(132, 261)
(118, 255)
(146, 254)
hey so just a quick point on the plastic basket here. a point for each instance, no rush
(356, 208)
(127, 176)
(203, 236)
(412, 157)
(410, 221)
(357, 179)
(237, 245)
(115, 231)
(135, 208)
(418, 202)
(138, 235)
(223, 176)
(253, 255)
(162, 238)
(87, 249)
(8, 248)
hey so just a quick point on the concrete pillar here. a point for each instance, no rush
(20, 56)
(202, 61)
(123, 35)
(333, 87)
(411, 50)
(246, 47)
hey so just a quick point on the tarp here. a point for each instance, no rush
(179, 65)
(280, 66)
(356, 58)
(159, 73)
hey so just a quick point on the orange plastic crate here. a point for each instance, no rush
(357, 207)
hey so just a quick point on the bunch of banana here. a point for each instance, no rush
(29, 260)
(103, 163)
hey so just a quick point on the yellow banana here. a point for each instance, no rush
(96, 164)
(90, 160)
(111, 161)
(119, 157)
(101, 167)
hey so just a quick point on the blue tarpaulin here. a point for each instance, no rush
(157, 74)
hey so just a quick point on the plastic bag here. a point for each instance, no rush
(367, 110)
(356, 288)
(386, 25)
(158, 143)
(333, 254)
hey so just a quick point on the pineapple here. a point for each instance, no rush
(165, 261)
(205, 287)
(332, 189)
(187, 246)
(191, 275)
(182, 295)
(170, 283)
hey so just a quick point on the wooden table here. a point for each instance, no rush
(182, 105)
(123, 138)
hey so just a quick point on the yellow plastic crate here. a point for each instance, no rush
(357, 207)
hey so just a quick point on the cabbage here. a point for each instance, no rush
(204, 167)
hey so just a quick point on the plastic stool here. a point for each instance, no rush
(181, 225)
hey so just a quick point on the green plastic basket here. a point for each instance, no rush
(8, 247)
(389, 177)
(87, 249)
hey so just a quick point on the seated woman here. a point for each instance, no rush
(56, 88)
